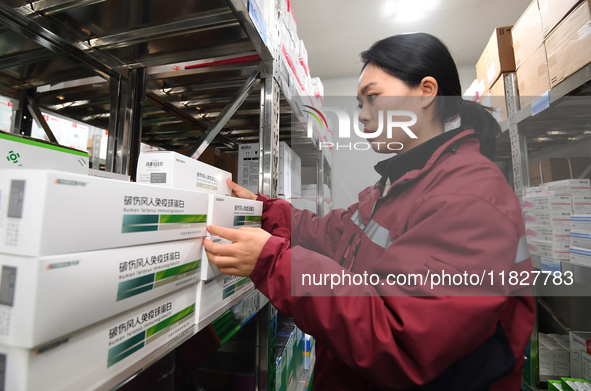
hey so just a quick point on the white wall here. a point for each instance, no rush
(347, 86)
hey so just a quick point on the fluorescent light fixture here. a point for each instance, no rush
(557, 133)
(413, 10)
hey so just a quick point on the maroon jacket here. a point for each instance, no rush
(456, 214)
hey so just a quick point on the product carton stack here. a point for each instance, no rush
(547, 214)
(96, 275)
(216, 292)
(290, 170)
(554, 355)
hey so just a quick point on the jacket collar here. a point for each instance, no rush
(419, 160)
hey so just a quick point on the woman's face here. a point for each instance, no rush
(378, 92)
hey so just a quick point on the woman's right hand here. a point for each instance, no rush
(240, 192)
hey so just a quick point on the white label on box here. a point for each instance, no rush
(586, 365)
(492, 72)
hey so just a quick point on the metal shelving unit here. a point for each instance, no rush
(558, 121)
(178, 75)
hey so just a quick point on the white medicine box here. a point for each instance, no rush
(50, 212)
(171, 169)
(40, 297)
(229, 212)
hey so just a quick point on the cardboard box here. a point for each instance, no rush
(556, 169)
(549, 218)
(548, 203)
(41, 295)
(549, 249)
(496, 99)
(26, 152)
(553, 11)
(580, 256)
(218, 295)
(170, 169)
(580, 222)
(87, 359)
(569, 45)
(580, 239)
(533, 79)
(229, 212)
(527, 34)
(580, 359)
(548, 233)
(52, 212)
(497, 57)
(290, 169)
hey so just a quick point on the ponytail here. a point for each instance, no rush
(478, 117)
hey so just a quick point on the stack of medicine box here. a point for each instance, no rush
(554, 355)
(216, 292)
(547, 214)
(97, 275)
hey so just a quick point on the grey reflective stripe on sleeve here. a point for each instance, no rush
(378, 234)
(357, 219)
(522, 250)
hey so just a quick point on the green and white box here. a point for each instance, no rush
(40, 298)
(171, 169)
(229, 212)
(580, 239)
(90, 357)
(548, 233)
(573, 384)
(24, 152)
(218, 295)
(51, 212)
(548, 203)
(549, 249)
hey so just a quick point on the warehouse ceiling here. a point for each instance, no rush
(336, 31)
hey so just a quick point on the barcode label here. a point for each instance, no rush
(7, 285)
(15, 200)
(154, 164)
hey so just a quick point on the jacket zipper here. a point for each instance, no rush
(355, 251)
(347, 250)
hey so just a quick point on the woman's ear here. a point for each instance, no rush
(429, 89)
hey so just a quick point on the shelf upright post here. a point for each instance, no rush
(518, 139)
(319, 182)
(138, 96)
(520, 180)
(119, 144)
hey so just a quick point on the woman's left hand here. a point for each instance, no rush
(240, 257)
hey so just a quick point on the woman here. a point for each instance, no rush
(441, 205)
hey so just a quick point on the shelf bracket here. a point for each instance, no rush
(212, 131)
(36, 113)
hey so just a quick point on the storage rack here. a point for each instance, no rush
(129, 60)
(564, 110)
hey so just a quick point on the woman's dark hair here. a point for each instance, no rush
(411, 58)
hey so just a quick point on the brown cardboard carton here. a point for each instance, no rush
(496, 58)
(532, 77)
(527, 34)
(496, 99)
(553, 11)
(557, 169)
(569, 45)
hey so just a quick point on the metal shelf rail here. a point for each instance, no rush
(558, 119)
(173, 74)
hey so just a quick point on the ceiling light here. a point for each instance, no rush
(413, 10)
(557, 133)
